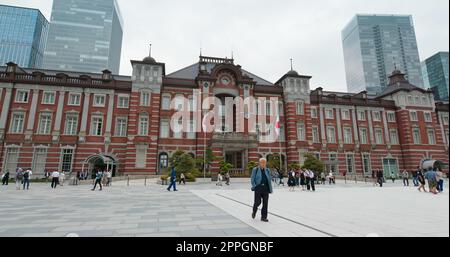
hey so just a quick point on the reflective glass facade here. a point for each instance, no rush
(85, 36)
(23, 34)
(373, 46)
(435, 73)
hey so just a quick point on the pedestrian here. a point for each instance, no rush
(415, 177)
(94, 175)
(62, 176)
(98, 180)
(26, 179)
(281, 177)
(219, 179)
(19, 178)
(227, 178)
(109, 178)
(393, 177)
(380, 177)
(431, 175)
(297, 178)
(421, 180)
(5, 178)
(55, 179)
(440, 181)
(182, 179)
(173, 180)
(291, 180)
(323, 177)
(405, 176)
(312, 179)
(302, 179)
(262, 187)
(374, 178)
(331, 178)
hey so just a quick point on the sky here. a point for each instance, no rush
(262, 34)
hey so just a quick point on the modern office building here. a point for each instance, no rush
(84, 36)
(23, 35)
(70, 121)
(375, 45)
(435, 75)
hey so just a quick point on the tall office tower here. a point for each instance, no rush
(435, 75)
(23, 34)
(376, 45)
(85, 36)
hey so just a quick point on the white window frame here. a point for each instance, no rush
(419, 139)
(22, 92)
(345, 114)
(164, 130)
(145, 98)
(301, 131)
(44, 129)
(62, 158)
(300, 108)
(66, 125)
(366, 136)
(78, 97)
(353, 163)
(378, 133)
(392, 133)
(413, 116)
(361, 115)
(121, 103)
(143, 125)
(17, 131)
(376, 115)
(445, 119)
(390, 115)
(433, 138)
(348, 138)
(314, 113)
(315, 138)
(329, 114)
(430, 117)
(165, 102)
(118, 129)
(333, 141)
(99, 96)
(53, 98)
(95, 133)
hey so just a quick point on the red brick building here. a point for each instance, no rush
(52, 120)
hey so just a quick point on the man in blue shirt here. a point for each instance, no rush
(262, 186)
(173, 180)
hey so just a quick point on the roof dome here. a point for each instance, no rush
(292, 73)
(149, 60)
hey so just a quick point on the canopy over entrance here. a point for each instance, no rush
(100, 162)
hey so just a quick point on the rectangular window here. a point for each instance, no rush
(445, 120)
(66, 160)
(301, 131)
(71, 125)
(192, 105)
(17, 122)
(45, 123)
(363, 135)
(348, 139)
(366, 163)
(413, 116)
(39, 160)
(12, 159)
(362, 115)
(268, 109)
(416, 100)
(350, 162)
(48, 98)
(178, 129)
(314, 113)
(332, 157)
(416, 136)
(74, 99)
(329, 114)
(280, 109)
(121, 126)
(145, 98)
(345, 114)
(99, 100)
(315, 135)
(410, 100)
(427, 117)
(123, 101)
(331, 135)
(143, 125)
(447, 136)
(22, 96)
(191, 133)
(376, 115)
(97, 126)
(393, 135)
(164, 130)
(179, 102)
(166, 102)
(300, 108)
(391, 117)
(141, 156)
(431, 138)
(281, 137)
(379, 136)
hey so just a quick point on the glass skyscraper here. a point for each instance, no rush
(84, 36)
(23, 35)
(374, 46)
(435, 75)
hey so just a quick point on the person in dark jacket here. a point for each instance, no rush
(5, 178)
(380, 177)
(262, 186)
(173, 180)
(422, 182)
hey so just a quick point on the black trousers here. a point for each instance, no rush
(313, 187)
(380, 181)
(55, 182)
(308, 184)
(406, 182)
(261, 195)
(98, 181)
(5, 181)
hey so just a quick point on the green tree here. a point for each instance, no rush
(183, 163)
(251, 165)
(274, 161)
(314, 164)
(210, 158)
(225, 166)
(294, 166)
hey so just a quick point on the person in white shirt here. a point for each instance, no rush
(62, 176)
(55, 179)
(109, 178)
(219, 180)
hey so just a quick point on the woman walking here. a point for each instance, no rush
(291, 180)
(302, 179)
(5, 178)
(182, 179)
(55, 179)
(421, 179)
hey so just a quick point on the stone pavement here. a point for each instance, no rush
(203, 209)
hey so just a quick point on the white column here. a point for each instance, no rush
(386, 128)
(59, 112)
(322, 126)
(338, 123)
(32, 114)
(110, 114)
(369, 119)
(355, 126)
(84, 115)
(5, 108)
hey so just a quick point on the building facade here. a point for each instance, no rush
(74, 121)
(435, 75)
(375, 45)
(84, 36)
(23, 36)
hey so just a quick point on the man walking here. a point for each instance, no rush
(26, 179)
(262, 186)
(405, 176)
(55, 179)
(416, 177)
(173, 180)
(19, 178)
(380, 177)
(5, 178)
(98, 180)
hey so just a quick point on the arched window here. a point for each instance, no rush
(163, 160)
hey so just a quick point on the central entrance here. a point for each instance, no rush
(99, 162)
(235, 158)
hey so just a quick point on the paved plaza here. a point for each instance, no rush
(203, 209)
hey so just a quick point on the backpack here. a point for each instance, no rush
(26, 175)
(20, 175)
